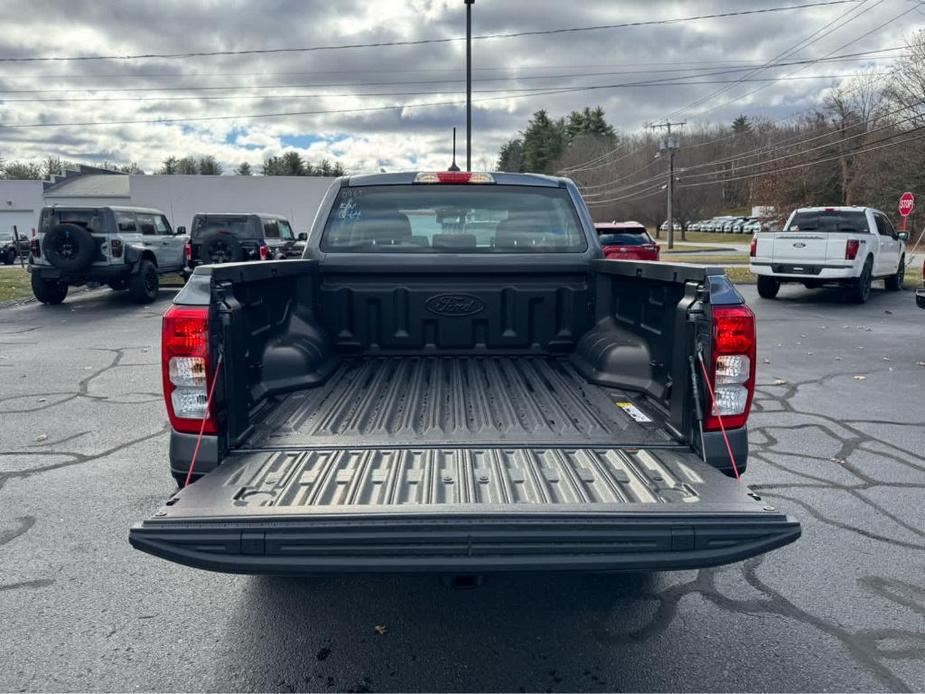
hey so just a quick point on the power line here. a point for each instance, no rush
(653, 67)
(704, 72)
(668, 66)
(527, 91)
(577, 168)
(803, 43)
(870, 147)
(864, 35)
(419, 42)
(788, 143)
(507, 95)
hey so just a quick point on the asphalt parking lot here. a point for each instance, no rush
(838, 432)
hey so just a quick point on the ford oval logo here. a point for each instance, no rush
(454, 305)
(799, 245)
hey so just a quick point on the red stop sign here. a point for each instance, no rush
(906, 204)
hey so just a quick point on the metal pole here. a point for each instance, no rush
(469, 4)
(670, 194)
(22, 262)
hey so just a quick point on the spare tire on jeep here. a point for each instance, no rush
(221, 247)
(69, 247)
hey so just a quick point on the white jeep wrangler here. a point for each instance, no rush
(124, 247)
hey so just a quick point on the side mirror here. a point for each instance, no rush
(181, 231)
(303, 236)
(903, 235)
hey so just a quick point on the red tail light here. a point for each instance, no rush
(116, 246)
(851, 249)
(36, 247)
(733, 366)
(753, 248)
(185, 366)
(264, 252)
(188, 251)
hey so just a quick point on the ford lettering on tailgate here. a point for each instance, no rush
(455, 305)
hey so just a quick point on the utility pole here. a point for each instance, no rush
(469, 4)
(671, 145)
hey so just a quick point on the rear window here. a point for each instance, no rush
(829, 222)
(237, 225)
(624, 237)
(453, 219)
(59, 215)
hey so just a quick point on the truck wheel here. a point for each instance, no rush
(860, 289)
(895, 282)
(144, 285)
(221, 247)
(768, 287)
(69, 247)
(48, 291)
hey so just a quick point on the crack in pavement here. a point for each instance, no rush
(862, 644)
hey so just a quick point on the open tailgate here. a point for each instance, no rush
(462, 510)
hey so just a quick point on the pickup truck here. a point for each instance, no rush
(454, 380)
(845, 246)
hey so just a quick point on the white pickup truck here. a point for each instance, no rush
(848, 246)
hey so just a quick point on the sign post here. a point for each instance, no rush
(906, 205)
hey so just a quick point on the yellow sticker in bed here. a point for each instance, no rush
(634, 412)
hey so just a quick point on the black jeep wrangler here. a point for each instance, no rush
(233, 238)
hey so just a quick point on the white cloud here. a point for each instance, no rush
(410, 137)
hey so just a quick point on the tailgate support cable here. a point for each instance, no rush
(202, 429)
(715, 411)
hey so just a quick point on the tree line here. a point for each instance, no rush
(290, 163)
(860, 145)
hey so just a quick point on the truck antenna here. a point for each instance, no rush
(453, 166)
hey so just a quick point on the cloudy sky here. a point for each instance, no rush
(360, 101)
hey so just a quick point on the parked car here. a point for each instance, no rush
(664, 226)
(12, 248)
(413, 397)
(626, 241)
(695, 226)
(124, 247)
(752, 227)
(234, 238)
(847, 246)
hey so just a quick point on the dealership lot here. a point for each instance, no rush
(837, 435)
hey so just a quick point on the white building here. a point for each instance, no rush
(179, 197)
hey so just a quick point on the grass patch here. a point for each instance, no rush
(740, 274)
(707, 259)
(15, 283)
(704, 237)
(688, 249)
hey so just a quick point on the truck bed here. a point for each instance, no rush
(492, 400)
(460, 464)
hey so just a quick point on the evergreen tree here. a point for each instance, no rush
(741, 125)
(511, 156)
(544, 140)
(244, 169)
